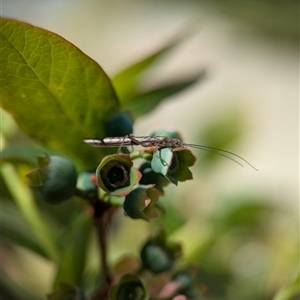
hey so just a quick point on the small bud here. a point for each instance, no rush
(173, 163)
(140, 203)
(151, 177)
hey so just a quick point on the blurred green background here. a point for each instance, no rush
(241, 227)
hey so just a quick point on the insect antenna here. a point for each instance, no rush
(217, 151)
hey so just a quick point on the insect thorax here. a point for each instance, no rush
(169, 142)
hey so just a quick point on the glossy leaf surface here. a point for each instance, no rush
(56, 93)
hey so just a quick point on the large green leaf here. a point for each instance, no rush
(56, 93)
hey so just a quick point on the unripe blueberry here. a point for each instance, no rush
(55, 182)
(119, 124)
(158, 255)
(156, 258)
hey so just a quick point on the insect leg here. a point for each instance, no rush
(134, 141)
(121, 145)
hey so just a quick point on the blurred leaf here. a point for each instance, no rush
(246, 213)
(220, 133)
(8, 126)
(215, 281)
(21, 153)
(67, 292)
(276, 19)
(243, 217)
(125, 82)
(142, 104)
(74, 248)
(172, 220)
(24, 200)
(15, 229)
(291, 291)
(14, 291)
(128, 263)
(56, 93)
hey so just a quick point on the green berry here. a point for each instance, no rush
(156, 258)
(54, 182)
(119, 124)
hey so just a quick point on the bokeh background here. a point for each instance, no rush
(239, 225)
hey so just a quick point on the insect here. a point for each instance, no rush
(160, 142)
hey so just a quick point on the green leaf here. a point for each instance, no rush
(25, 203)
(143, 103)
(249, 215)
(278, 20)
(172, 220)
(56, 93)
(291, 291)
(125, 82)
(12, 290)
(224, 130)
(15, 229)
(21, 153)
(75, 243)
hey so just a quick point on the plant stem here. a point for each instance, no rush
(90, 196)
(141, 154)
(102, 238)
